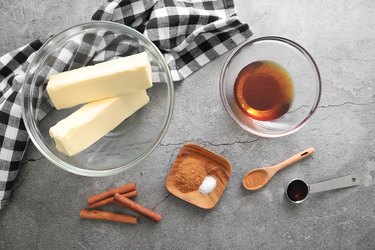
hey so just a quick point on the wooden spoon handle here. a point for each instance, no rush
(295, 158)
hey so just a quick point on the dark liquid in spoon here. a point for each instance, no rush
(264, 90)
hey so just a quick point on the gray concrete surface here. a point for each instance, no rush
(43, 213)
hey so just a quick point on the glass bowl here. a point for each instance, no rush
(134, 138)
(301, 68)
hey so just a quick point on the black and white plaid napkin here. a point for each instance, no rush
(189, 33)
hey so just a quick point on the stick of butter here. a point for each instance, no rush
(103, 80)
(94, 120)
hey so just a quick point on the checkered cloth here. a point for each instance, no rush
(189, 33)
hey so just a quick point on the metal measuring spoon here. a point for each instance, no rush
(297, 190)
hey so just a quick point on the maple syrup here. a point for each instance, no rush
(264, 90)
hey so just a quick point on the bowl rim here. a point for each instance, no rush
(285, 41)
(30, 126)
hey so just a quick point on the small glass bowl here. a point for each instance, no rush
(133, 139)
(300, 66)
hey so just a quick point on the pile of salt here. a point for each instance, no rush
(208, 184)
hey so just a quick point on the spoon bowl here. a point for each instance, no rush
(256, 179)
(259, 177)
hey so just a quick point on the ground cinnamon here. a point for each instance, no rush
(190, 175)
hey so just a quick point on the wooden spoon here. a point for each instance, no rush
(259, 177)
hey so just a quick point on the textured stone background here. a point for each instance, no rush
(43, 213)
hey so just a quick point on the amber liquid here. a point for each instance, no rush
(264, 90)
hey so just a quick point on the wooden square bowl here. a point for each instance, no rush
(215, 166)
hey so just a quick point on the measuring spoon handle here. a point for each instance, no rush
(343, 182)
(295, 158)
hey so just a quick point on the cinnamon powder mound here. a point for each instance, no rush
(189, 175)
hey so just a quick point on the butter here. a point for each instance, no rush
(108, 79)
(94, 120)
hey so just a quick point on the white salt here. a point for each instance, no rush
(208, 184)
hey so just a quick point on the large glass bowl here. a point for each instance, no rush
(302, 70)
(133, 139)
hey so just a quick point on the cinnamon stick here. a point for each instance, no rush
(132, 205)
(111, 192)
(109, 216)
(110, 199)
